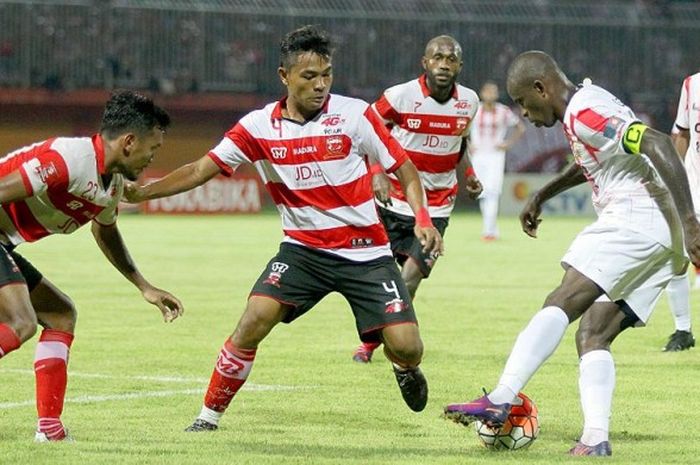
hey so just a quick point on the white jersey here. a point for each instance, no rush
(316, 172)
(490, 128)
(62, 177)
(432, 134)
(688, 118)
(627, 190)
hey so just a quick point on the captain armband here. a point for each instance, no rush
(632, 139)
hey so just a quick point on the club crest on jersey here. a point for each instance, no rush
(395, 306)
(45, 171)
(461, 125)
(276, 271)
(334, 145)
(413, 123)
(278, 153)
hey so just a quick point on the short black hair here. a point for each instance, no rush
(305, 39)
(127, 111)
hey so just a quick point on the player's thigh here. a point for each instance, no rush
(377, 296)
(601, 324)
(575, 294)
(54, 309)
(15, 305)
(297, 278)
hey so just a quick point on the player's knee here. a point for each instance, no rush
(588, 339)
(406, 351)
(25, 324)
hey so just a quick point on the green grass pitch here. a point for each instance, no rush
(136, 382)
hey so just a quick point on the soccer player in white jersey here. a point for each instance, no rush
(686, 137)
(54, 187)
(494, 130)
(616, 268)
(309, 150)
(430, 117)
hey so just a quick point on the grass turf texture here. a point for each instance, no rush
(479, 297)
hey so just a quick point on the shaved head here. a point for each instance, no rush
(540, 87)
(440, 40)
(533, 66)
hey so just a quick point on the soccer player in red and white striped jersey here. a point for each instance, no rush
(309, 150)
(430, 117)
(54, 187)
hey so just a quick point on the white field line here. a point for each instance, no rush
(138, 394)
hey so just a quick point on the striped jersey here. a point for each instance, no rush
(490, 127)
(432, 134)
(689, 118)
(627, 190)
(316, 172)
(62, 177)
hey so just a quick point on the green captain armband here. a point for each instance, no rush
(632, 139)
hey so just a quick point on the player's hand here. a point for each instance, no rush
(133, 192)
(430, 239)
(473, 187)
(169, 305)
(382, 188)
(691, 233)
(530, 217)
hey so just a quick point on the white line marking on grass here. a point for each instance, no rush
(139, 394)
(162, 379)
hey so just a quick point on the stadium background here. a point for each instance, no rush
(210, 61)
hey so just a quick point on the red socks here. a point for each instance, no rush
(371, 346)
(8, 340)
(51, 370)
(230, 373)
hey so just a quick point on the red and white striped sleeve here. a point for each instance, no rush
(44, 170)
(386, 111)
(376, 141)
(237, 147)
(682, 121)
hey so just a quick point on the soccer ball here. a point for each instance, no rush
(519, 430)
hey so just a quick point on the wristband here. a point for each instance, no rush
(469, 171)
(376, 168)
(423, 218)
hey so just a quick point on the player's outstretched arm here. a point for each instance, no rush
(681, 140)
(659, 148)
(530, 216)
(182, 179)
(415, 196)
(12, 188)
(112, 246)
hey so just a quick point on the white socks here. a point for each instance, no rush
(210, 416)
(596, 383)
(489, 211)
(678, 291)
(532, 348)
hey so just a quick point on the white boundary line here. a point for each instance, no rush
(139, 394)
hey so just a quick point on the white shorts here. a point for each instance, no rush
(489, 167)
(626, 264)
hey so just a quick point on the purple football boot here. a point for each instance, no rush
(482, 409)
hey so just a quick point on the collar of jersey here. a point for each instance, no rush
(99, 153)
(282, 103)
(426, 91)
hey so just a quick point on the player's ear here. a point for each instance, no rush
(128, 140)
(539, 87)
(284, 75)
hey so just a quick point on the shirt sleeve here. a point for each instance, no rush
(601, 129)
(376, 141)
(44, 171)
(386, 110)
(237, 147)
(682, 121)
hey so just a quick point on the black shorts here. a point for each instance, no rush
(14, 268)
(404, 242)
(300, 277)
